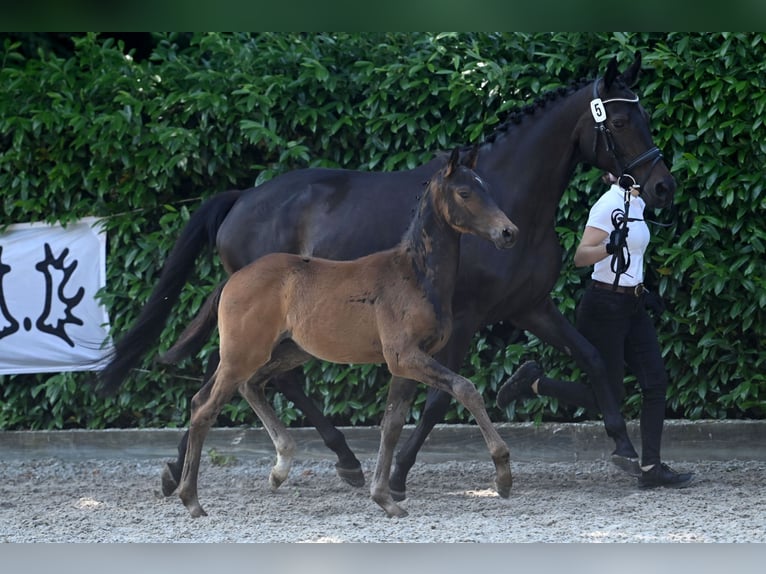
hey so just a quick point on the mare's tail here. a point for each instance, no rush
(198, 233)
(198, 332)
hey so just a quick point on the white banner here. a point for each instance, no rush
(50, 320)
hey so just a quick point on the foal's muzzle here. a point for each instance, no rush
(505, 237)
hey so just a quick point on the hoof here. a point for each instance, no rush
(275, 481)
(399, 495)
(392, 509)
(397, 483)
(503, 490)
(395, 511)
(169, 482)
(193, 506)
(352, 476)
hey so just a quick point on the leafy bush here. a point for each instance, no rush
(142, 143)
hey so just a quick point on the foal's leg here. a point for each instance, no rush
(348, 467)
(431, 372)
(437, 403)
(284, 444)
(421, 367)
(206, 405)
(400, 395)
(171, 474)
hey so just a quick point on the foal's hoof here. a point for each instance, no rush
(352, 476)
(169, 482)
(275, 481)
(399, 512)
(193, 506)
(392, 509)
(197, 511)
(504, 490)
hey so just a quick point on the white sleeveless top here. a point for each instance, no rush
(638, 235)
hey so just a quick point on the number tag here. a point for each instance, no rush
(598, 110)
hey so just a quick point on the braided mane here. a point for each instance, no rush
(516, 115)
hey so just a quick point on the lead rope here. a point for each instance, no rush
(621, 256)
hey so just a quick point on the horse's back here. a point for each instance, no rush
(329, 213)
(326, 307)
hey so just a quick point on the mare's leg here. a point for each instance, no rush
(437, 403)
(547, 322)
(348, 467)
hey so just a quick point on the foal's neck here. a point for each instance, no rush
(433, 247)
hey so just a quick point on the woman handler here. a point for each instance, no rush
(612, 315)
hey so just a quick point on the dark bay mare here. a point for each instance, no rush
(392, 306)
(527, 162)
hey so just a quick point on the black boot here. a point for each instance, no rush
(519, 386)
(662, 475)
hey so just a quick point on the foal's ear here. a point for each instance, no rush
(454, 159)
(630, 76)
(473, 157)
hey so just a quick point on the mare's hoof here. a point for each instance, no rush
(197, 511)
(169, 482)
(397, 484)
(399, 495)
(352, 476)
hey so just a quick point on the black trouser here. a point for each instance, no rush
(619, 327)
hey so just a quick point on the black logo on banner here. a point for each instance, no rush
(52, 325)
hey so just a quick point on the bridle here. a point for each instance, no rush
(625, 178)
(621, 257)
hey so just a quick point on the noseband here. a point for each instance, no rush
(626, 180)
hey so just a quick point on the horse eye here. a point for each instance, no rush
(619, 122)
(464, 194)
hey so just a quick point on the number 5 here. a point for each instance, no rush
(598, 110)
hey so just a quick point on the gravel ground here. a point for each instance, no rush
(106, 500)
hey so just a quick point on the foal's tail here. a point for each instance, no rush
(199, 233)
(198, 332)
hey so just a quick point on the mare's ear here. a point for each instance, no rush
(454, 159)
(473, 157)
(630, 76)
(611, 74)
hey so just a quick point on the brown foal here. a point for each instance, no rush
(393, 306)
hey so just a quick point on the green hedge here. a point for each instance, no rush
(142, 143)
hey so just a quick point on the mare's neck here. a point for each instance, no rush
(535, 157)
